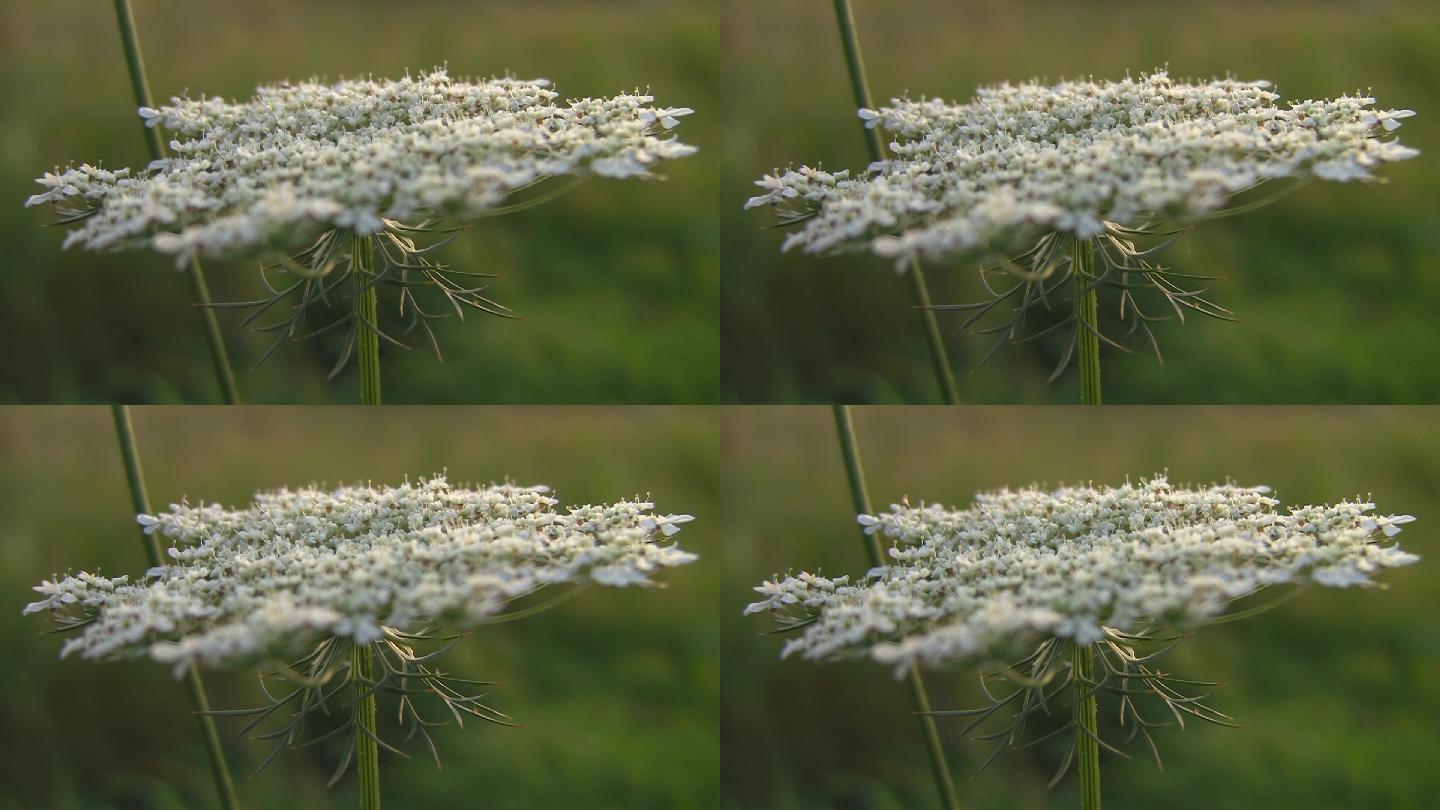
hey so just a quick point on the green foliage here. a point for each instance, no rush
(617, 691)
(617, 283)
(1335, 285)
(1335, 689)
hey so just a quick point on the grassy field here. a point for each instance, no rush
(618, 689)
(618, 283)
(1337, 690)
(1337, 285)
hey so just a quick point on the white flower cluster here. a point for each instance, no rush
(269, 174)
(990, 177)
(255, 584)
(982, 584)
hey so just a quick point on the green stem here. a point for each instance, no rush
(1087, 754)
(140, 500)
(367, 751)
(855, 473)
(1087, 326)
(944, 376)
(367, 323)
(199, 289)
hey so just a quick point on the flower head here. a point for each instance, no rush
(357, 564)
(339, 184)
(1061, 189)
(1079, 158)
(1078, 565)
(364, 156)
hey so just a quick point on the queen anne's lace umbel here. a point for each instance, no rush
(268, 175)
(1080, 158)
(255, 585)
(983, 584)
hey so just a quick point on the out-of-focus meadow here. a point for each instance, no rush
(1337, 690)
(1338, 284)
(617, 282)
(618, 688)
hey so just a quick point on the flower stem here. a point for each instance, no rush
(199, 289)
(855, 473)
(845, 16)
(1087, 752)
(1087, 326)
(140, 500)
(367, 752)
(367, 335)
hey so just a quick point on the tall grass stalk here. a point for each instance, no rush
(199, 289)
(140, 500)
(1087, 326)
(855, 473)
(367, 312)
(849, 40)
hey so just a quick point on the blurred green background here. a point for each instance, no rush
(618, 282)
(618, 688)
(1337, 284)
(1338, 690)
